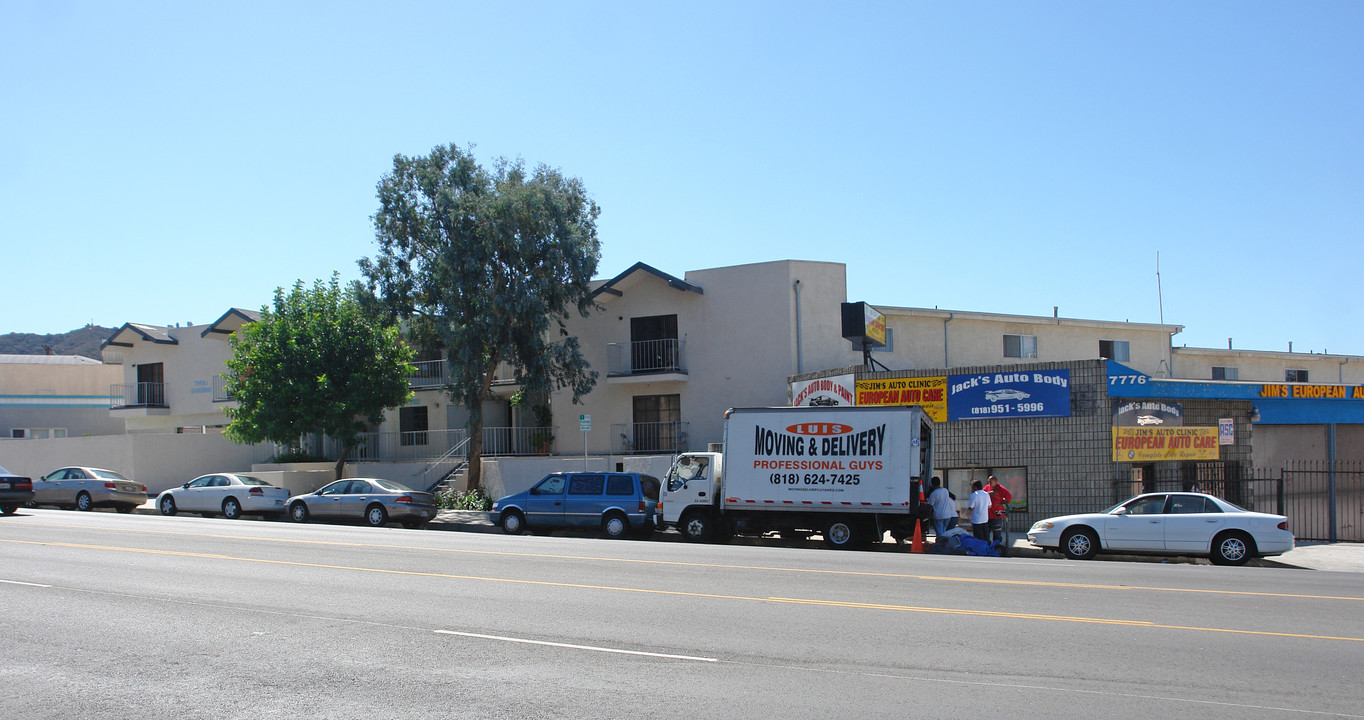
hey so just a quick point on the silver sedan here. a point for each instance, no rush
(86, 488)
(227, 494)
(370, 499)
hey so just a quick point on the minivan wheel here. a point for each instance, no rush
(512, 523)
(615, 525)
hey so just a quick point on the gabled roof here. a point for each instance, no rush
(609, 287)
(9, 359)
(130, 332)
(231, 322)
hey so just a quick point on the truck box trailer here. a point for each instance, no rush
(848, 473)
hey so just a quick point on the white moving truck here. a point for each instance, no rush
(848, 473)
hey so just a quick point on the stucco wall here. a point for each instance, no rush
(159, 461)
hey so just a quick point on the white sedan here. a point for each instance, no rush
(1175, 523)
(225, 494)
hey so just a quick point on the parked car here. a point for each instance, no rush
(15, 490)
(618, 503)
(375, 501)
(86, 488)
(226, 494)
(1181, 523)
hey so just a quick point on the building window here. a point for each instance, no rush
(1119, 350)
(37, 433)
(1295, 376)
(657, 422)
(412, 425)
(653, 344)
(1020, 346)
(1225, 373)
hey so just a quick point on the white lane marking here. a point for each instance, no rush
(546, 643)
(17, 582)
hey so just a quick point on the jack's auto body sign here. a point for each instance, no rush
(1037, 393)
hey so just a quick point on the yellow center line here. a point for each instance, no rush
(719, 566)
(679, 593)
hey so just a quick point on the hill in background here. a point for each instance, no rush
(84, 341)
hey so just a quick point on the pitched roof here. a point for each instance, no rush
(609, 287)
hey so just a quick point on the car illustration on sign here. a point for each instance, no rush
(1149, 420)
(823, 401)
(997, 395)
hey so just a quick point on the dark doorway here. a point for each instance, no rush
(657, 421)
(653, 344)
(151, 385)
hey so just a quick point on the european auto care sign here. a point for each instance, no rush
(1156, 444)
(929, 393)
(1037, 393)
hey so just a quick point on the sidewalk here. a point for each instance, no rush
(1335, 557)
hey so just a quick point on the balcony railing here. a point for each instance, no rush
(429, 374)
(426, 445)
(137, 395)
(650, 437)
(646, 357)
(220, 392)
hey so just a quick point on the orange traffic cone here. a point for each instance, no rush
(918, 545)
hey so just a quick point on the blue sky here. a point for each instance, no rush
(162, 162)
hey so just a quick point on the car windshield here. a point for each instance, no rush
(390, 485)
(248, 480)
(108, 474)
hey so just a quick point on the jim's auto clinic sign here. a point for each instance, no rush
(1037, 393)
(1156, 444)
(929, 393)
(1313, 392)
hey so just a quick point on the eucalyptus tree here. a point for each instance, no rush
(487, 265)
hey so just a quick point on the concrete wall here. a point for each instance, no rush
(1262, 366)
(159, 461)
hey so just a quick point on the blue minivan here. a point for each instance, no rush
(619, 503)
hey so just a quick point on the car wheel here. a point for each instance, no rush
(84, 503)
(125, 509)
(840, 534)
(167, 505)
(9, 509)
(232, 509)
(615, 526)
(1232, 548)
(512, 523)
(376, 515)
(695, 526)
(1080, 544)
(298, 512)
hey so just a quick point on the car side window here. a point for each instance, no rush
(620, 485)
(586, 484)
(220, 481)
(358, 487)
(1147, 506)
(1190, 504)
(552, 485)
(75, 474)
(201, 482)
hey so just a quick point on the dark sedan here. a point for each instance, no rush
(15, 490)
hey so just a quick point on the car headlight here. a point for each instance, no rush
(1044, 525)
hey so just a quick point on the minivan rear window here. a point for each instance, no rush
(650, 484)
(620, 485)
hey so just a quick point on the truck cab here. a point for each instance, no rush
(691, 490)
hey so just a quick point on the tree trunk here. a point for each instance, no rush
(474, 475)
(341, 463)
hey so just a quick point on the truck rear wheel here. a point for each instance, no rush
(840, 534)
(695, 526)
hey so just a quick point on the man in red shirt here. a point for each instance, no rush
(1000, 497)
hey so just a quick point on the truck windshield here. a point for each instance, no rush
(687, 468)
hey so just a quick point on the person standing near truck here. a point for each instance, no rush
(980, 512)
(1000, 497)
(944, 508)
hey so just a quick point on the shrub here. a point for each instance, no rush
(475, 499)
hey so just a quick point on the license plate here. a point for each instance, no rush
(4, 486)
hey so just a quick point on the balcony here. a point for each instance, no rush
(647, 361)
(147, 397)
(434, 374)
(648, 438)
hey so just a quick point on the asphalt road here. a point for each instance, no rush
(128, 616)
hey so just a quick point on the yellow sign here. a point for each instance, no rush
(1315, 392)
(929, 393)
(1147, 444)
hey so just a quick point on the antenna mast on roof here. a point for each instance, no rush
(1160, 301)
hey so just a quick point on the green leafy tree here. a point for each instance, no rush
(487, 265)
(316, 363)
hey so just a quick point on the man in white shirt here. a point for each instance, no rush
(980, 512)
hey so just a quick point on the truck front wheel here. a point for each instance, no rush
(840, 534)
(695, 526)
